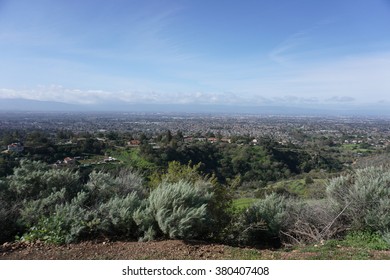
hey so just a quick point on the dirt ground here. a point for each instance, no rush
(169, 250)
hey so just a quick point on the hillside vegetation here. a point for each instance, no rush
(65, 188)
(56, 206)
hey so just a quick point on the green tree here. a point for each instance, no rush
(179, 136)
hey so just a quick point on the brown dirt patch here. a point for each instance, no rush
(172, 250)
(164, 250)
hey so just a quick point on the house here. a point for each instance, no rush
(134, 143)
(69, 160)
(109, 159)
(15, 147)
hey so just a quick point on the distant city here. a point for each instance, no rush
(301, 130)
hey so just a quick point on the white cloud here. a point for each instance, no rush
(56, 93)
(340, 99)
(90, 97)
(78, 96)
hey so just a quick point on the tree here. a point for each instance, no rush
(167, 137)
(179, 136)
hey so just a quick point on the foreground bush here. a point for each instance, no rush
(103, 208)
(36, 180)
(277, 220)
(311, 222)
(75, 221)
(262, 222)
(177, 211)
(357, 202)
(218, 207)
(52, 205)
(362, 199)
(8, 219)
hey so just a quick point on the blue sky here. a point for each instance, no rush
(231, 52)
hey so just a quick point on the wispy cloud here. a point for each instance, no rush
(302, 44)
(281, 54)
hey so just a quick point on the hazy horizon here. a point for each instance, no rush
(23, 105)
(331, 56)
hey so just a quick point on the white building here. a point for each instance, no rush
(15, 147)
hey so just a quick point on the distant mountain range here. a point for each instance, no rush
(34, 105)
(26, 105)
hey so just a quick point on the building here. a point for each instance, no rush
(69, 160)
(15, 147)
(134, 143)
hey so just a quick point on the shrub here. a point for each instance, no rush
(104, 208)
(48, 229)
(363, 198)
(103, 186)
(8, 213)
(262, 222)
(37, 190)
(35, 180)
(100, 187)
(308, 180)
(75, 221)
(117, 216)
(129, 181)
(310, 221)
(218, 206)
(8, 216)
(65, 225)
(359, 201)
(33, 210)
(177, 210)
(177, 172)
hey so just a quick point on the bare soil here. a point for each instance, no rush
(169, 250)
